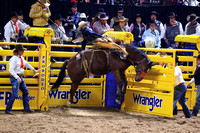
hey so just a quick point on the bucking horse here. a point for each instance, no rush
(102, 62)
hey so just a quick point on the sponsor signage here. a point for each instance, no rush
(149, 102)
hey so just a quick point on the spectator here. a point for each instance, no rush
(96, 18)
(40, 13)
(16, 69)
(70, 28)
(83, 17)
(76, 14)
(59, 31)
(21, 37)
(12, 28)
(159, 26)
(191, 27)
(137, 28)
(101, 26)
(153, 33)
(196, 80)
(172, 29)
(122, 25)
(180, 89)
(115, 20)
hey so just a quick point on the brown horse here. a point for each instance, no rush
(104, 61)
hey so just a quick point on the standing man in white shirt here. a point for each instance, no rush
(180, 89)
(16, 69)
(12, 28)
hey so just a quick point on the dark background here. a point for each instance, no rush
(57, 6)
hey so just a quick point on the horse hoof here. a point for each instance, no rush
(68, 104)
(118, 101)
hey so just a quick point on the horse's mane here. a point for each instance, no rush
(133, 48)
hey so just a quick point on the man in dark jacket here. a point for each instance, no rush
(87, 34)
(196, 79)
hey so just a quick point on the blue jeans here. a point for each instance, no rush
(197, 104)
(169, 44)
(179, 96)
(15, 91)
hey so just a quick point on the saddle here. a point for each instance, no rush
(87, 65)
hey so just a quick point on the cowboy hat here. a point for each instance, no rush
(18, 47)
(155, 13)
(101, 11)
(122, 18)
(192, 17)
(20, 13)
(58, 17)
(171, 14)
(150, 42)
(152, 22)
(45, 2)
(81, 24)
(83, 15)
(120, 9)
(103, 16)
(13, 14)
(138, 15)
(74, 4)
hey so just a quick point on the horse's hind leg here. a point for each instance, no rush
(119, 86)
(124, 79)
(73, 89)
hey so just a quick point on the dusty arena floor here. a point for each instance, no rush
(95, 120)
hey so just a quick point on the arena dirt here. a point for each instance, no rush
(95, 120)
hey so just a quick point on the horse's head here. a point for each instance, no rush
(142, 68)
(139, 60)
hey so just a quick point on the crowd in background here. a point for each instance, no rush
(141, 2)
(156, 33)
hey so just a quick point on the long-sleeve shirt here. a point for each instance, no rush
(10, 30)
(100, 28)
(59, 33)
(162, 31)
(154, 34)
(160, 28)
(15, 66)
(178, 76)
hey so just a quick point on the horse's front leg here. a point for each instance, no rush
(124, 79)
(119, 86)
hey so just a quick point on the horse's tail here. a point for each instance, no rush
(60, 77)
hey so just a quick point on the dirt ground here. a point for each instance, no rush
(95, 120)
